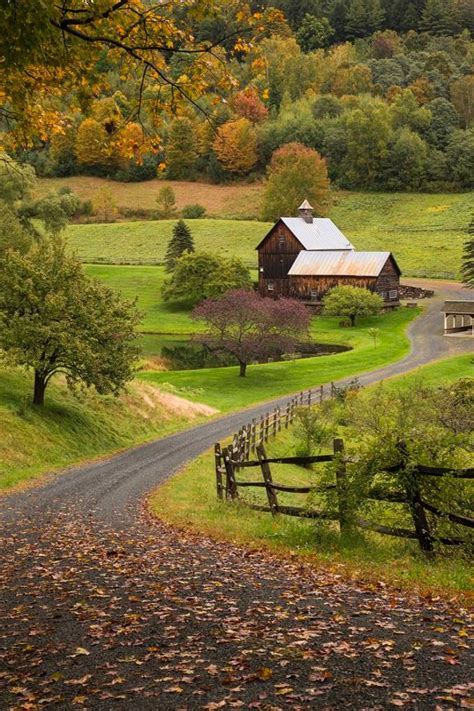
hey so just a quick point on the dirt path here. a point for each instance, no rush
(102, 608)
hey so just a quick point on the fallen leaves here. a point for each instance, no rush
(100, 619)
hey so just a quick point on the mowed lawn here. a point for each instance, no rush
(224, 389)
(425, 232)
(144, 283)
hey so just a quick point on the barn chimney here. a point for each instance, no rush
(306, 212)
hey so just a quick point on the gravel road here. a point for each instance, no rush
(103, 608)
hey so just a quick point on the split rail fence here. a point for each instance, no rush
(234, 458)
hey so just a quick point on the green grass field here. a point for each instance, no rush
(70, 430)
(425, 232)
(224, 389)
(188, 500)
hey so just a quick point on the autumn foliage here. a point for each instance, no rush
(250, 327)
(236, 146)
(295, 170)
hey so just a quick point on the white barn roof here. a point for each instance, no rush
(320, 234)
(361, 264)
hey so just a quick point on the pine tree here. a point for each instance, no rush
(437, 17)
(181, 151)
(181, 242)
(356, 19)
(468, 259)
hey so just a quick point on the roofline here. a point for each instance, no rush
(390, 254)
(271, 230)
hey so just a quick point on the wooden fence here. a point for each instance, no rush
(232, 459)
(256, 432)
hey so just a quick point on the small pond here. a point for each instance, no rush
(179, 352)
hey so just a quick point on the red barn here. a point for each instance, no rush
(304, 257)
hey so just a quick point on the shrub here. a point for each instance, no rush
(193, 212)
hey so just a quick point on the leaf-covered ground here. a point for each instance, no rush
(146, 617)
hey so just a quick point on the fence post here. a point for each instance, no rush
(267, 426)
(231, 486)
(261, 429)
(218, 460)
(253, 435)
(417, 511)
(321, 390)
(275, 423)
(309, 397)
(267, 478)
(287, 415)
(341, 483)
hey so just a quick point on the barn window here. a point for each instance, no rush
(314, 295)
(392, 294)
(270, 286)
(281, 241)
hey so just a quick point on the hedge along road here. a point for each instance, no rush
(102, 607)
(114, 485)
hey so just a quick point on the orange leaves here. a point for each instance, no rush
(236, 146)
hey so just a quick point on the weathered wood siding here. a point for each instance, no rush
(276, 256)
(313, 288)
(388, 282)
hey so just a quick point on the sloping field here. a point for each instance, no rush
(426, 232)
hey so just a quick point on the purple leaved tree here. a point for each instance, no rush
(250, 327)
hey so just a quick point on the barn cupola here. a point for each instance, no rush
(306, 212)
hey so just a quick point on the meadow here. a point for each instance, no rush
(224, 389)
(425, 232)
(188, 500)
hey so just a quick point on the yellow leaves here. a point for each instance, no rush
(264, 674)
(82, 651)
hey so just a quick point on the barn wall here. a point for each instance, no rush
(276, 256)
(313, 288)
(388, 282)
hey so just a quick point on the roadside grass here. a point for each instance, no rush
(224, 389)
(425, 232)
(70, 430)
(188, 500)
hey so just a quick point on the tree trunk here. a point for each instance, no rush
(40, 387)
(243, 369)
(353, 319)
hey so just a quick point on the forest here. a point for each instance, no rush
(383, 91)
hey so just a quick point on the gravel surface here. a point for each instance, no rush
(103, 608)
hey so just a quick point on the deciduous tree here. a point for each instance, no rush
(236, 146)
(250, 327)
(295, 171)
(181, 150)
(54, 319)
(199, 275)
(468, 258)
(351, 302)
(166, 202)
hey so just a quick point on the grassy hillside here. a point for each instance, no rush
(70, 430)
(222, 388)
(426, 232)
(227, 201)
(188, 500)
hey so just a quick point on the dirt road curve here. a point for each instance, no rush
(102, 608)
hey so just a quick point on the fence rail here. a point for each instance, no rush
(229, 461)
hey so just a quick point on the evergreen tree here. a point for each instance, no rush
(363, 18)
(337, 19)
(437, 17)
(181, 151)
(180, 243)
(468, 258)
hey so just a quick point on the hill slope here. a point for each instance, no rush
(426, 232)
(70, 430)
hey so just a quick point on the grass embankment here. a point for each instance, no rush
(223, 389)
(189, 500)
(70, 430)
(425, 232)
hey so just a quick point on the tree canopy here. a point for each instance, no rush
(249, 327)
(54, 319)
(351, 302)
